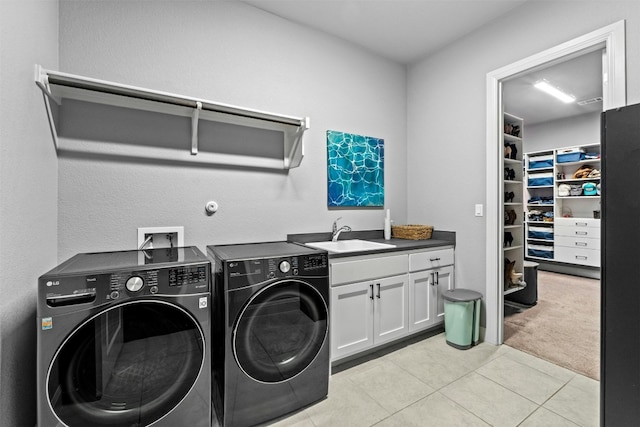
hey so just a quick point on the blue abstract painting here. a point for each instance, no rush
(355, 174)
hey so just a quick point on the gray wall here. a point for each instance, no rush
(232, 53)
(578, 130)
(446, 121)
(28, 196)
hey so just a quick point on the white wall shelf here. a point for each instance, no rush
(58, 86)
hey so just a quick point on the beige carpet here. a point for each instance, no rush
(564, 327)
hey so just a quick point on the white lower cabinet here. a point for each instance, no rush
(375, 300)
(366, 314)
(426, 302)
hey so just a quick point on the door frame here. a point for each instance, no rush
(612, 39)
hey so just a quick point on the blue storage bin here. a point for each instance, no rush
(543, 233)
(539, 162)
(540, 251)
(570, 157)
(540, 179)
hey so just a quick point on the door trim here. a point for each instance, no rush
(612, 39)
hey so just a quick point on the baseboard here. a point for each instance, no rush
(574, 270)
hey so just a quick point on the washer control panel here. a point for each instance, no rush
(167, 281)
(118, 286)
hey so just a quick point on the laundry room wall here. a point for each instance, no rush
(566, 132)
(232, 53)
(446, 107)
(28, 197)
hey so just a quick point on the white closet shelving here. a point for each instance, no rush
(539, 202)
(58, 86)
(513, 244)
(568, 230)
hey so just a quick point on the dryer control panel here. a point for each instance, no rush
(251, 272)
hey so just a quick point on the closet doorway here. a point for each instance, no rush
(611, 40)
(557, 315)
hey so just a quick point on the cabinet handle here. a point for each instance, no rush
(581, 244)
(581, 233)
(378, 290)
(371, 286)
(434, 259)
(581, 257)
(581, 224)
(433, 280)
(437, 277)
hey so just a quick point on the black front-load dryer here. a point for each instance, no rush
(270, 329)
(123, 340)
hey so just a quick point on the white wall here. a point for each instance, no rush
(447, 112)
(232, 53)
(28, 197)
(577, 130)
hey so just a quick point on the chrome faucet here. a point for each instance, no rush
(336, 231)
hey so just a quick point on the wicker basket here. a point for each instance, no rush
(412, 232)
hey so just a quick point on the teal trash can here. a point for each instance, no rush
(462, 317)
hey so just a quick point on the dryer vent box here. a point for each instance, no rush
(160, 237)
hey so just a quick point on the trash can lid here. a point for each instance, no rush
(461, 295)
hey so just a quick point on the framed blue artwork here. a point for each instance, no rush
(355, 170)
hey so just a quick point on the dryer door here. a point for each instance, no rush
(128, 365)
(280, 331)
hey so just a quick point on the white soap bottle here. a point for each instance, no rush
(387, 225)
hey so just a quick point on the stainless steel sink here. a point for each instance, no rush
(353, 245)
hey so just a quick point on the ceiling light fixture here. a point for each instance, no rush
(554, 91)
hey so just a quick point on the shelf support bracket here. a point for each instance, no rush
(294, 149)
(42, 81)
(194, 128)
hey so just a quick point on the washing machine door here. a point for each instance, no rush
(280, 331)
(128, 365)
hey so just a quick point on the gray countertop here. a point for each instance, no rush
(438, 239)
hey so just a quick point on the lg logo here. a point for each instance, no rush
(53, 283)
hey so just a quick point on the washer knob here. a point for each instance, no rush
(285, 266)
(134, 283)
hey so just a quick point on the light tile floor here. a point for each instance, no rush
(429, 383)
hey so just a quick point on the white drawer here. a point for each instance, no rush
(430, 259)
(578, 222)
(590, 257)
(577, 242)
(368, 268)
(575, 231)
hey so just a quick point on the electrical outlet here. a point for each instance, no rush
(160, 237)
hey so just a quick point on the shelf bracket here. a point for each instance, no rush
(194, 128)
(42, 80)
(294, 149)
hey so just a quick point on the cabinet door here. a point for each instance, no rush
(443, 282)
(420, 313)
(351, 318)
(391, 314)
